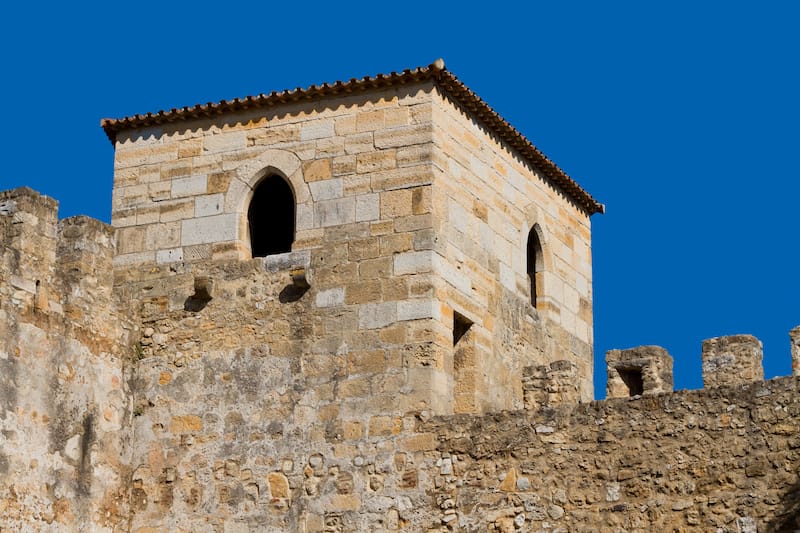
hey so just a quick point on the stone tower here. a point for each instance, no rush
(309, 311)
(442, 251)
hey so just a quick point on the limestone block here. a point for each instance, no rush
(359, 143)
(396, 203)
(317, 129)
(335, 212)
(508, 278)
(171, 255)
(161, 236)
(401, 178)
(380, 268)
(370, 120)
(131, 239)
(209, 205)
(330, 297)
(225, 142)
(413, 262)
(121, 260)
(189, 186)
(176, 210)
(159, 190)
(377, 315)
(372, 161)
(218, 182)
(403, 136)
(417, 309)
(207, 230)
(317, 170)
(326, 189)
(278, 485)
(197, 253)
(287, 261)
(367, 207)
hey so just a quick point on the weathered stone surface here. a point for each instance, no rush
(732, 359)
(156, 377)
(639, 370)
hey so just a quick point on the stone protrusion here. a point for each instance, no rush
(203, 288)
(549, 385)
(637, 371)
(300, 278)
(732, 360)
(794, 336)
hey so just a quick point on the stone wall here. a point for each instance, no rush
(230, 406)
(486, 200)
(410, 215)
(722, 459)
(64, 397)
(155, 377)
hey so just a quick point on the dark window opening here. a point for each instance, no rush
(534, 263)
(632, 377)
(271, 217)
(465, 372)
(461, 325)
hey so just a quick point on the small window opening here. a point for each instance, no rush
(632, 377)
(271, 217)
(465, 372)
(461, 325)
(534, 263)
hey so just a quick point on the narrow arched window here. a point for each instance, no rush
(271, 217)
(535, 263)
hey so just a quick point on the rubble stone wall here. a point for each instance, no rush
(64, 399)
(229, 407)
(720, 459)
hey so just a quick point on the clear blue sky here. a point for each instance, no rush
(682, 117)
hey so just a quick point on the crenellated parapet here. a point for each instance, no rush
(732, 360)
(637, 371)
(54, 268)
(727, 361)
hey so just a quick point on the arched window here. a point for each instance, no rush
(271, 217)
(535, 264)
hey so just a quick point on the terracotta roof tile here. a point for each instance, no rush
(436, 72)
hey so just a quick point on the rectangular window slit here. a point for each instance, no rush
(461, 325)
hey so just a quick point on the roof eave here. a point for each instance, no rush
(435, 72)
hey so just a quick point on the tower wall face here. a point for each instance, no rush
(485, 202)
(407, 216)
(408, 213)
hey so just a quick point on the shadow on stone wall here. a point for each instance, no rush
(788, 519)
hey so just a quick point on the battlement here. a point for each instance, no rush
(727, 360)
(57, 267)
